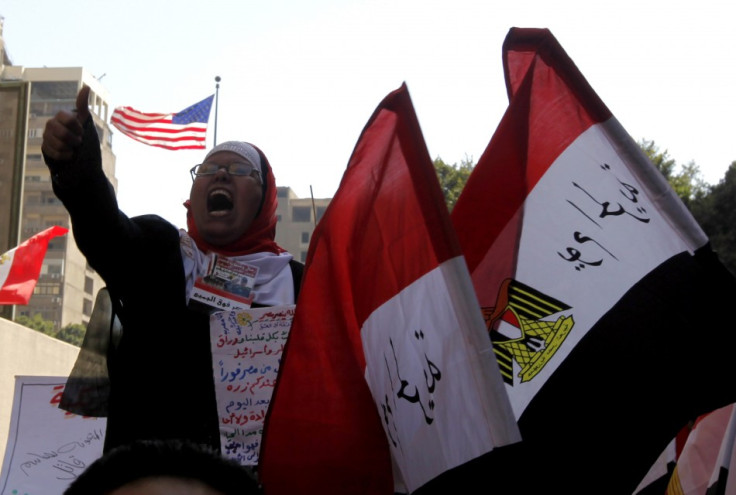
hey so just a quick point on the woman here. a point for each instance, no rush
(160, 370)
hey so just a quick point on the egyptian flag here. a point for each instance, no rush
(707, 457)
(21, 266)
(388, 378)
(656, 480)
(659, 475)
(607, 309)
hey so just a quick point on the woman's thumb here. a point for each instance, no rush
(83, 104)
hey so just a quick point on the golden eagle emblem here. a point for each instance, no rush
(522, 332)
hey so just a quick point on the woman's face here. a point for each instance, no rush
(224, 206)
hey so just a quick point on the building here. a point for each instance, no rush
(297, 218)
(67, 286)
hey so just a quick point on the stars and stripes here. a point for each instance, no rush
(186, 129)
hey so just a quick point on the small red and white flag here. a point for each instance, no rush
(388, 368)
(659, 475)
(185, 130)
(707, 461)
(608, 311)
(21, 266)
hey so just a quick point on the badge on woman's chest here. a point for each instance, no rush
(226, 285)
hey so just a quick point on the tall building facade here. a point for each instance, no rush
(66, 289)
(297, 218)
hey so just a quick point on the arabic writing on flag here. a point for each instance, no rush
(602, 297)
(173, 131)
(388, 378)
(21, 266)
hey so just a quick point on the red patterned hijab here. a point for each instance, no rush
(260, 236)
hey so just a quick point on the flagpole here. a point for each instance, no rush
(314, 208)
(217, 98)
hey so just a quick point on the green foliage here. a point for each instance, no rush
(716, 214)
(714, 207)
(72, 333)
(36, 322)
(453, 178)
(662, 161)
(687, 183)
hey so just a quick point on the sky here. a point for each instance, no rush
(300, 79)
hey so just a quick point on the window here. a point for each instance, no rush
(89, 285)
(47, 289)
(303, 257)
(54, 90)
(100, 132)
(50, 222)
(58, 244)
(320, 211)
(48, 97)
(305, 237)
(87, 307)
(301, 214)
(53, 268)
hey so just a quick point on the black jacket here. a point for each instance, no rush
(160, 372)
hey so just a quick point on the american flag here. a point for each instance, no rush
(186, 129)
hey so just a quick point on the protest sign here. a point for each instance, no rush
(47, 447)
(246, 354)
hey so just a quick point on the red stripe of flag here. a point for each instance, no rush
(164, 130)
(387, 354)
(18, 280)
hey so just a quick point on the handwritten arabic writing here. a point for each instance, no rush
(415, 386)
(47, 446)
(589, 252)
(62, 458)
(244, 444)
(246, 348)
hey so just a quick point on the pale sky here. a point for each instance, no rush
(301, 78)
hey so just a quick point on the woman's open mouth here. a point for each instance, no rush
(219, 202)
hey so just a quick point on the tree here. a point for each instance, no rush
(716, 214)
(37, 322)
(687, 183)
(713, 206)
(73, 333)
(453, 178)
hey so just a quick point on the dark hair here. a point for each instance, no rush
(171, 458)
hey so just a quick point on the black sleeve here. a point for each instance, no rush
(113, 244)
(297, 270)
